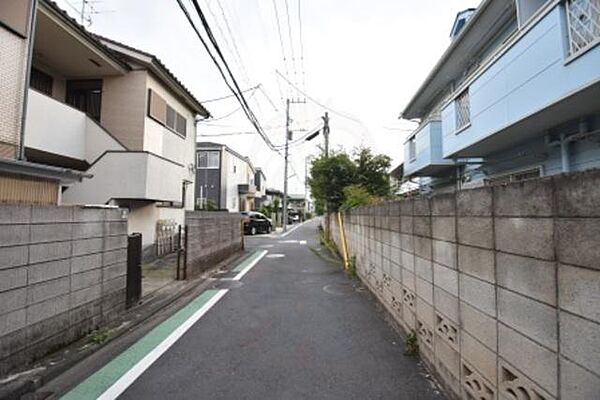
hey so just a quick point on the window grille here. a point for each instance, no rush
(518, 176)
(463, 110)
(583, 17)
(208, 159)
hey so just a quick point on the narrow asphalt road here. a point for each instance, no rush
(293, 327)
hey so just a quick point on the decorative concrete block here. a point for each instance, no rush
(577, 195)
(576, 382)
(422, 226)
(528, 276)
(540, 363)
(580, 341)
(424, 290)
(479, 294)
(476, 262)
(15, 214)
(579, 291)
(49, 252)
(13, 256)
(479, 356)
(47, 290)
(14, 235)
(443, 205)
(476, 231)
(479, 325)
(12, 300)
(423, 247)
(475, 384)
(13, 278)
(531, 318)
(445, 278)
(525, 236)
(524, 199)
(444, 228)
(511, 381)
(578, 241)
(444, 253)
(425, 336)
(446, 304)
(44, 233)
(474, 202)
(424, 269)
(447, 330)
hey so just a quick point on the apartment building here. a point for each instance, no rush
(20, 180)
(515, 96)
(227, 180)
(115, 114)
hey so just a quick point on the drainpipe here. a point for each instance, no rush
(31, 41)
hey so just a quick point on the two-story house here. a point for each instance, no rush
(116, 114)
(516, 95)
(21, 180)
(226, 179)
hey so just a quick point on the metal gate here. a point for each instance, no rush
(134, 269)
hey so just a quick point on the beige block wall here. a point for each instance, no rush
(500, 294)
(13, 63)
(124, 108)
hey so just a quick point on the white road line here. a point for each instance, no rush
(249, 267)
(293, 229)
(126, 380)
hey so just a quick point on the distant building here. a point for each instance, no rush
(515, 96)
(227, 180)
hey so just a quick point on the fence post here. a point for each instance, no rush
(134, 269)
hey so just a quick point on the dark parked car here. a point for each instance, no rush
(255, 222)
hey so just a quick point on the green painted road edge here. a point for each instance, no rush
(103, 379)
(247, 261)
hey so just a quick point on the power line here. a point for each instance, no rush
(287, 72)
(232, 112)
(318, 102)
(235, 47)
(235, 89)
(287, 11)
(229, 96)
(301, 45)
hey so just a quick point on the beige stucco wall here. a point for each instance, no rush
(13, 63)
(124, 107)
(143, 220)
(162, 141)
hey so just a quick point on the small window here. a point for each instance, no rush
(41, 81)
(208, 159)
(463, 110)
(180, 125)
(171, 116)
(412, 149)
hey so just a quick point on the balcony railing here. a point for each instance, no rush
(583, 17)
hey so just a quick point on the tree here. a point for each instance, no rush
(372, 172)
(328, 178)
(356, 195)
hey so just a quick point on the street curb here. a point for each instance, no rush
(20, 387)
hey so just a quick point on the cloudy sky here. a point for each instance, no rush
(361, 58)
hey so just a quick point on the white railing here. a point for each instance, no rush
(583, 17)
(463, 110)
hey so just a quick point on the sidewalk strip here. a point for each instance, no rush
(115, 377)
(247, 265)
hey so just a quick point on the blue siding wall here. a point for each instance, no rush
(530, 76)
(429, 149)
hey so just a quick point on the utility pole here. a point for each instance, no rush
(326, 132)
(285, 168)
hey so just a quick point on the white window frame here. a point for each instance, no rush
(583, 34)
(462, 110)
(212, 162)
(412, 148)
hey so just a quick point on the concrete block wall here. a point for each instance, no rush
(62, 274)
(212, 237)
(500, 285)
